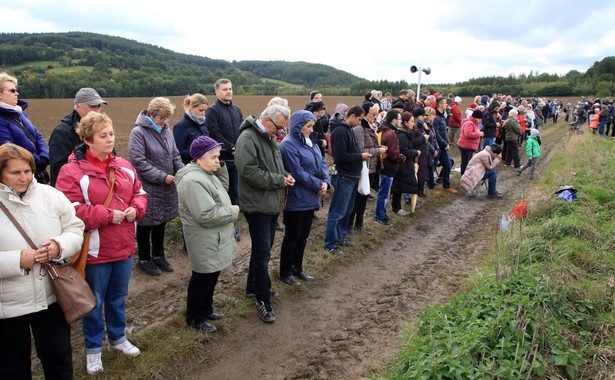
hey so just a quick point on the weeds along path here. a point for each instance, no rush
(351, 323)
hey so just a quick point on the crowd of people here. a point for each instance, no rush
(215, 166)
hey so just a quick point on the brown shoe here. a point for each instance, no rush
(451, 190)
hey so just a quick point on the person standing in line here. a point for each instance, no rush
(223, 119)
(469, 140)
(303, 161)
(386, 104)
(16, 127)
(153, 154)
(91, 173)
(490, 123)
(455, 120)
(263, 184)
(439, 126)
(64, 137)
(192, 125)
(28, 304)
(347, 157)
(511, 139)
(207, 219)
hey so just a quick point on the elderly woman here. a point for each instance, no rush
(207, 218)
(192, 125)
(482, 166)
(16, 127)
(90, 176)
(302, 159)
(154, 155)
(26, 297)
(512, 133)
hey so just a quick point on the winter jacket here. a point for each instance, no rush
(306, 165)
(45, 214)
(223, 122)
(439, 127)
(512, 128)
(405, 180)
(261, 170)
(593, 119)
(86, 186)
(63, 140)
(455, 121)
(532, 147)
(475, 171)
(469, 138)
(207, 219)
(184, 133)
(33, 141)
(368, 142)
(490, 120)
(391, 141)
(345, 148)
(154, 156)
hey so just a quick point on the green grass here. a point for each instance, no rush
(543, 305)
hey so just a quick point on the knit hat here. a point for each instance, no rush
(418, 111)
(89, 96)
(484, 100)
(313, 94)
(534, 132)
(473, 106)
(202, 145)
(477, 114)
(457, 99)
(316, 106)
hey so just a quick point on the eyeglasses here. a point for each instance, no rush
(13, 90)
(275, 125)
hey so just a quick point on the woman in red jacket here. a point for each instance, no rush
(91, 175)
(469, 139)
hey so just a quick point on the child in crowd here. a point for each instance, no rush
(532, 148)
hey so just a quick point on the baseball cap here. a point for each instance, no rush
(89, 96)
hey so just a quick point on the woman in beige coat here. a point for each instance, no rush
(482, 166)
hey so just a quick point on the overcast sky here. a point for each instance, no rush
(457, 39)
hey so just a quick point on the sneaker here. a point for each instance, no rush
(148, 267)
(127, 348)
(163, 264)
(384, 222)
(272, 294)
(495, 195)
(402, 212)
(93, 363)
(451, 191)
(518, 172)
(335, 251)
(203, 326)
(346, 243)
(265, 311)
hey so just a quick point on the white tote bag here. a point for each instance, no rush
(364, 180)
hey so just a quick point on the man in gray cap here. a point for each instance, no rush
(64, 138)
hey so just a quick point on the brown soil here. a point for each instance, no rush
(351, 321)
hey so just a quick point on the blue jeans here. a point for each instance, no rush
(492, 176)
(342, 202)
(233, 182)
(262, 234)
(445, 173)
(488, 141)
(109, 283)
(383, 196)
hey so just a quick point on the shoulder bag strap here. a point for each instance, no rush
(18, 122)
(18, 226)
(112, 180)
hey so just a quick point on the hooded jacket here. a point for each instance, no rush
(455, 121)
(44, 213)
(305, 164)
(261, 170)
(207, 218)
(86, 186)
(391, 140)
(154, 156)
(469, 138)
(489, 120)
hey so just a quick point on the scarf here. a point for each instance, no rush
(15, 108)
(200, 120)
(157, 127)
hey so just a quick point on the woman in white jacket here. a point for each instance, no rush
(27, 301)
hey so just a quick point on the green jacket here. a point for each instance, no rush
(207, 218)
(532, 148)
(261, 170)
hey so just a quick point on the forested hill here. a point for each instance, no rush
(56, 65)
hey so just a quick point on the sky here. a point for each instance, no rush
(376, 40)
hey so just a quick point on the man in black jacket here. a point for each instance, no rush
(64, 137)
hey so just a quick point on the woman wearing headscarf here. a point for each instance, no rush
(28, 307)
(208, 223)
(154, 155)
(302, 159)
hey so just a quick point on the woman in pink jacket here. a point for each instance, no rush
(469, 138)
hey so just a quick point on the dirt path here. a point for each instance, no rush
(351, 321)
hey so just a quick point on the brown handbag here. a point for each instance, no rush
(80, 259)
(72, 291)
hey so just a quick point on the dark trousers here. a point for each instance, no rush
(52, 341)
(233, 182)
(360, 203)
(155, 234)
(201, 296)
(298, 225)
(466, 155)
(395, 201)
(262, 234)
(512, 154)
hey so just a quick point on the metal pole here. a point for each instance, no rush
(418, 86)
